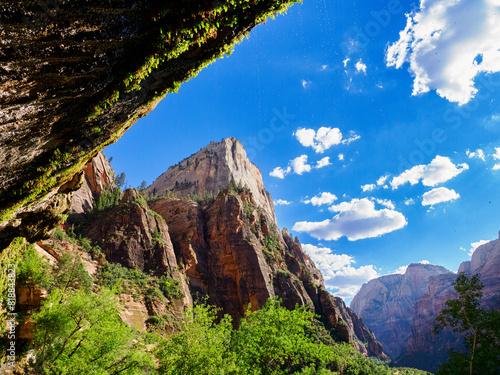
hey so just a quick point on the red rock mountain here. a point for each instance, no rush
(401, 309)
(226, 247)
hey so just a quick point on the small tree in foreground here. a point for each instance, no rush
(481, 330)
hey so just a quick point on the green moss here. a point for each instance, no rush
(8, 258)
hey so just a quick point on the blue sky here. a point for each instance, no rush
(375, 124)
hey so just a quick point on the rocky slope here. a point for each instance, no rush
(227, 247)
(74, 76)
(212, 169)
(401, 309)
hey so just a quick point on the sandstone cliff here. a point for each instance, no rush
(98, 176)
(401, 309)
(212, 169)
(74, 76)
(231, 252)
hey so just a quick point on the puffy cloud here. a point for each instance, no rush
(338, 271)
(323, 162)
(474, 246)
(476, 154)
(298, 166)
(360, 67)
(280, 172)
(496, 167)
(424, 262)
(447, 44)
(281, 202)
(356, 220)
(324, 138)
(305, 83)
(386, 202)
(381, 181)
(341, 157)
(368, 187)
(321, 140)
(439, 170)
(496, 155)
(346, 61)
(439, 195)
(323, 198)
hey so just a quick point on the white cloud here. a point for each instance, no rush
(299, 165)
(476, 154)
(324, 67)
(496, 155)
(338, 271)
(439, 195)
(346, 61)
(321, 140)
(360, 67)
(323, 162)
(323, 198)
(341, 157)
(495, 117)
(474, 246)
(352, 137)
(439, 170)
(401, 270)
(496, 167)
(281, 202)
(305, 83)
(356, 220)
(280, 172)
(381, 181)
(409, 201)
(447, 44)
(424, 262)
(386, 202)
(368, 187)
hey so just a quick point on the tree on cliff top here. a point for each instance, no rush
(481, 330)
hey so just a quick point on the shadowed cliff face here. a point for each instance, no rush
(75, 75)
(230, 250)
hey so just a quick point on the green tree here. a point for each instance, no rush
(275, 340)
(120, 180)
(82, 333)
(481, 329)
(200, 347)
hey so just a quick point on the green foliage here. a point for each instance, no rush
(108, 199)
(81, 333)
(32, 270)
(275, 340)
(71, 274)
(170, 287)
(157, 237)
(115, 276)
(120, 181)
(200, 347)
(481, 329)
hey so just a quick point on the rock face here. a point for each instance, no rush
(401, 309)
(74, 76)
(212, 169)
(231, 253)
(97, 177)
(386, 304)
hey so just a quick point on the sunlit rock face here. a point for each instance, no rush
(75, 75)
(212, 169)
(231, 249)
(402, 309)
(98, 176)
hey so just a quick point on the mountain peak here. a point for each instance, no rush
(212, 169)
